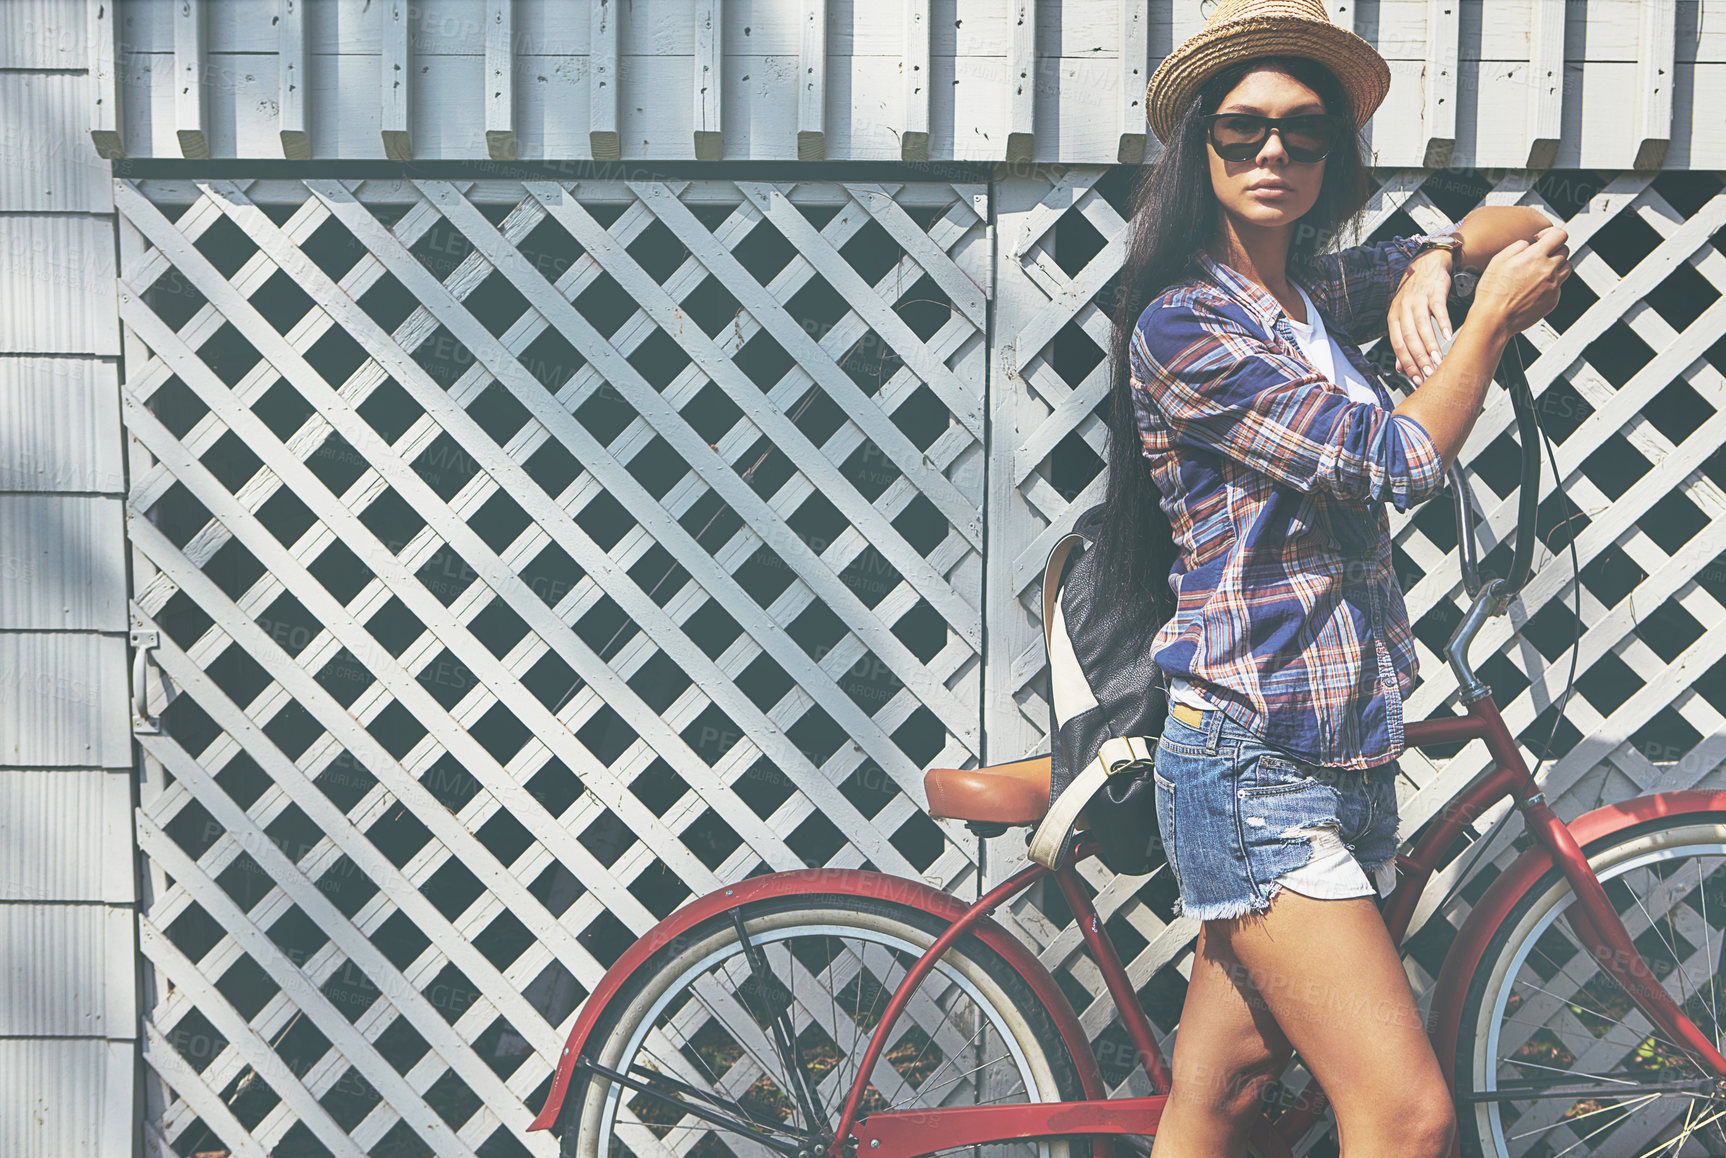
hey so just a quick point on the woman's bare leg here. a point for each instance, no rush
(1329, 974)
(1228, 1049)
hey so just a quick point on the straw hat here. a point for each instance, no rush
(1244, 29)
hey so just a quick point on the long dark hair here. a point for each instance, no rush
(1174, 214)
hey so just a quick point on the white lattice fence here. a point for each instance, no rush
(530, 557)
(526, 558)
(1628, 376)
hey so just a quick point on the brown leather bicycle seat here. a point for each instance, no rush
(1016, 793)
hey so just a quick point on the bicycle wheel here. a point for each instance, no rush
(704, 1031)
(1553, 1058)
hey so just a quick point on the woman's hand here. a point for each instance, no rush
(1521, 284)
(1418, 301)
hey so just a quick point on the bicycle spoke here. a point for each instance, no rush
(1687, 1132)
(739, 1024)
(977, 1040)
(857, 968)
(924, 1089)
(928, 1082)
(922, 1011)
(1571, 1001)
(889, 1081)
(676, 1060)
(1671, 946)
(712, 997)
(975, 1045)
(683, 1089)
(673, 1055)
(644, 1141)
(869, 965)
(1639, 1102)
(1556, 1070)
(1639, 1038)
(1708, 949)
(783, 1037)
(1607, 1126)
(1576, 1087)
(865, 1026)
(741, 1127)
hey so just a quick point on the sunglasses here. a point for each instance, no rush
(1307, 138)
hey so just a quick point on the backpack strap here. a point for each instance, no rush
(1117, 754)
(1052, 580)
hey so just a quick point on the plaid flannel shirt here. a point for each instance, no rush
(1289, 616)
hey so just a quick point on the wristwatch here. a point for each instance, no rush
(1451, 241)
(1461, 280)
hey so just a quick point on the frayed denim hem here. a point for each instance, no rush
(1372, 871)
(1228, 910)
(1299, 837)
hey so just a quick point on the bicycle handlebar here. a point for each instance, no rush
(1510, 372)
(1528, 500)
(1492, 594)
(1467, 549)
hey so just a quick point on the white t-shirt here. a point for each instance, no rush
(1323, 352)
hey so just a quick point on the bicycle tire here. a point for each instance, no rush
(661, 1003)
(1540, 1011)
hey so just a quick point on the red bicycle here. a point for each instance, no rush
(840, 1012)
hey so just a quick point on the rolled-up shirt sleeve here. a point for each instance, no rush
(1218, 385)
(1355, 285)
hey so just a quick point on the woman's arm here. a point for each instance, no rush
(1519, 288)
(1488, 229)
(1420, 298)
(1216, 384)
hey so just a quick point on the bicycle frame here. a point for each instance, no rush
(905, 1134)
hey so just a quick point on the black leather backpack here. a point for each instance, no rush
(1107, 704)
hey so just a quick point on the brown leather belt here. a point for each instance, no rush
(1187, 714)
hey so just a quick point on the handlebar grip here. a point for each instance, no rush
(1528, 498)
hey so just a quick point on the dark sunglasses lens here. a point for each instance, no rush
(1238, 138)
(1309, 138)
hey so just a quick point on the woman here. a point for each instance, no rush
(1252, 450)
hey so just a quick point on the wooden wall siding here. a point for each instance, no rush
(68, 870)
(1628, 373)
(43, 34)
(57, 283)
(1482, 83)
(528, 558)
(51, 167)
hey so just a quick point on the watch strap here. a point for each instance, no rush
(1451, 241)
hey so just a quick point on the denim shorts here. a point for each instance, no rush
(1241, 820)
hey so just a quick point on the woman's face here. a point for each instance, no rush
(1271, 189)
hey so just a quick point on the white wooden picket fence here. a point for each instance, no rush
(522, 558)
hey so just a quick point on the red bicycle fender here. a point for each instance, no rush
(1494, 906)
(845, 882)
